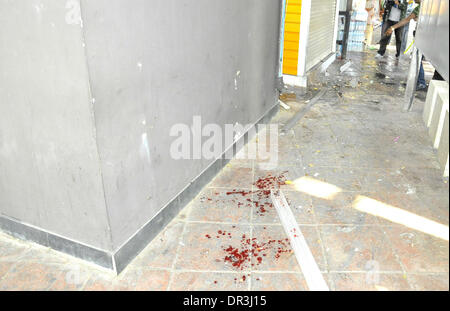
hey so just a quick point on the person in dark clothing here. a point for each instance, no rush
(421, 83)
(394, 11)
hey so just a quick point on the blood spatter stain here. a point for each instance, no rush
(260, 198)
(236, 257)
(243, 193)
(208, 236)
(240, 257)
(270, 182)
(220, 232)
(262, 201)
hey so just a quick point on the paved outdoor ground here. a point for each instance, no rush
(362, 180)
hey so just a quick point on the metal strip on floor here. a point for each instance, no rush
(305, 259)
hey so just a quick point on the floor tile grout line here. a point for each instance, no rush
(239, 272)
(86, 281)
(319, 232)
(49, 286)
(397, 257)
(180, 239)
(300, 224)
(322, 246)
(228, 187)
(5, 276)
(251, 226)
(317, 229)
(364, 272)
(436, 193)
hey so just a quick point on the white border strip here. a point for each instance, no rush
(336, 25)
(305, 259)
(304, 36)
(301, 81)
(327, 62)
(282, 27)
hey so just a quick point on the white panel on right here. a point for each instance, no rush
(432, 34)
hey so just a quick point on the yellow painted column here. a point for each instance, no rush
(291, 36)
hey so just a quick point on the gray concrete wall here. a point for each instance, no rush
(49, 166)
(85, 112)
(157, 63)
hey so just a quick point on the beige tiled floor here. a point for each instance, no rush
(360, 142)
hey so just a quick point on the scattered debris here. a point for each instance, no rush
(285, 106)
(354, 82)
(345, 66)
(411, 190)
(345, 229)
(299, 115)
(408, 235)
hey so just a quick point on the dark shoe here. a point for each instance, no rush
(422, 87)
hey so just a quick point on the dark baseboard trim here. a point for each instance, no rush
(126, 253)
(26, 232)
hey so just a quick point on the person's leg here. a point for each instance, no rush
(421, 83)
(398, 40)
(383, 28)
(385, 39)
(383, 24)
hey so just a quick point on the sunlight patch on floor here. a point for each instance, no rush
(317, 188)
(400, 216)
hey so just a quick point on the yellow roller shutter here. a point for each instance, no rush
(291, 36)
